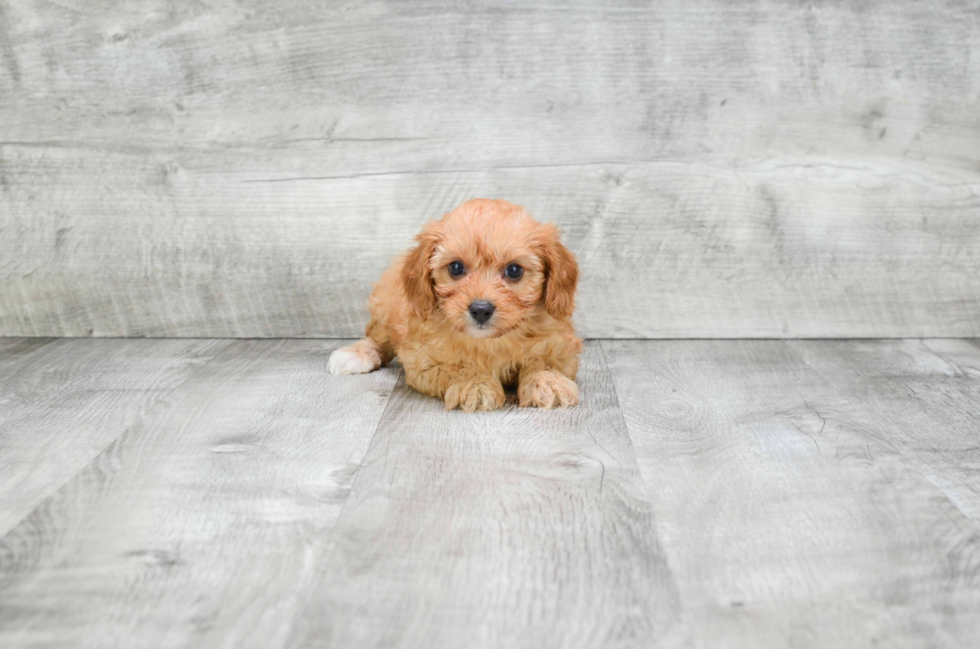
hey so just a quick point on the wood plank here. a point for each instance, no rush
(789, 515)
(668, 249)
(722, 169)
(63, 402)
(517, 528)
(195, 526)
(926, 393)
(367, 88)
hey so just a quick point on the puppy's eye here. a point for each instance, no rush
(514, 271)
(456, 268)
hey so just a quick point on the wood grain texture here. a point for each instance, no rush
(705, 493)
(925, 393)
(517, 528)
(12, 349)
(196, 525)
(790, 515)
(63, 402)
(721, 169)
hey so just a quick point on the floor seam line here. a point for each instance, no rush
(330, 540)
(666, 554)
(122, 431)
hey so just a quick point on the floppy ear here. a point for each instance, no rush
(561, 274)
(416, 274)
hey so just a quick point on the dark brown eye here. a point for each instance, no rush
(456, 268)
(514, 271)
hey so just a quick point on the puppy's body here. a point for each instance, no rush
(436, 321)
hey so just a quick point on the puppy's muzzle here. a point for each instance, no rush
(481, 311)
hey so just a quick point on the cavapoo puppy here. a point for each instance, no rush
(483, 301)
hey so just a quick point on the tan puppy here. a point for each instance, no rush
(484, 300)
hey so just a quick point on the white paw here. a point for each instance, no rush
(350, 360)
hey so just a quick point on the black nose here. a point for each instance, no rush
(481, 310)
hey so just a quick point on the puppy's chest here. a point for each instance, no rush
(499, 357)
(504, 362)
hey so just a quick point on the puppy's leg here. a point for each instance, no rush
(546, 388)
(547, 378)
(548, 381)
(471, 393)
(359, 358)
(459, 387)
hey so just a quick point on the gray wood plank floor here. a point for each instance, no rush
(213, 493)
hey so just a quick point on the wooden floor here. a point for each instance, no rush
(219, 493)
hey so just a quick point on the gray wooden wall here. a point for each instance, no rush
(730, 169)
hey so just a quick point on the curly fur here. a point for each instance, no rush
(420, 313)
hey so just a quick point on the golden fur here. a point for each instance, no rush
(420, 312)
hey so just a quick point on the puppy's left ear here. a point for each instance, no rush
(561, 274)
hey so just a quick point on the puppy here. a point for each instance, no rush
(483, 301)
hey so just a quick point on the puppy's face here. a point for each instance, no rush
(486, 266)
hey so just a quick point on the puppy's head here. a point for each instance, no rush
(487, 266)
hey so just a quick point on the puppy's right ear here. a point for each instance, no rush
(562, 274)
(416, 274)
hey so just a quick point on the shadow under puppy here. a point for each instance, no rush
(483, 301)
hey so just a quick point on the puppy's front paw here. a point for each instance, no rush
(475, 394)
(547, 389)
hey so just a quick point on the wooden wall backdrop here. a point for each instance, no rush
(729, 169)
